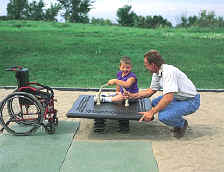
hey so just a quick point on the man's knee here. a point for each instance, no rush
(156, 101)
(163, 117)
(168, 115)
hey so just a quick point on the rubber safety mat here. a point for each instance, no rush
(110, 156)
(37, 153)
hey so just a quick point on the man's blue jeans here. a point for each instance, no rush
(173, 114)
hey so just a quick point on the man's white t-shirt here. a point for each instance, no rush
(171, 79)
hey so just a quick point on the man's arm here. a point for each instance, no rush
(167, 99)
(141, 94)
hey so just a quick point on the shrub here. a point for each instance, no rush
(4, 18)
(204, 19)
(151, 22)
(101, 21)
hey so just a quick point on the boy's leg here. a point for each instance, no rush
(117, 98)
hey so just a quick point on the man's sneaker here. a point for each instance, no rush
(179, 132)
(174, 129)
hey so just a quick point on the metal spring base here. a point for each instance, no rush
(123, 126)
(99, 125)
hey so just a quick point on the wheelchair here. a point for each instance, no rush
(28, 107)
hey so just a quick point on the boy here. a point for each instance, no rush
(125, 79)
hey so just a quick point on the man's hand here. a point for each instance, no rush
(112, 82)
(147, 116)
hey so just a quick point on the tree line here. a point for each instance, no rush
(76, 11)
(72, 10)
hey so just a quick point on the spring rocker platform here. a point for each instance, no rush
(85, 107)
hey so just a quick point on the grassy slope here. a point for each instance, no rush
(82, 55)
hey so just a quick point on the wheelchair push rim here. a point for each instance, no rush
(21, 113)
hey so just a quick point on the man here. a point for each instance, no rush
(179, 98)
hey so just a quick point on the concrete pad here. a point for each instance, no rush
(38, 153)
(110, 156)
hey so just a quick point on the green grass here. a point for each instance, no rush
(84, 55)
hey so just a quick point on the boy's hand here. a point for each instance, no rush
(118, 93)
(112, 82)
(127, 95)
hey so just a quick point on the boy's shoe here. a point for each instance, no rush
(95, 99)
(179, 132)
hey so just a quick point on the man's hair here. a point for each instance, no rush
(153, 56)
(125, 60)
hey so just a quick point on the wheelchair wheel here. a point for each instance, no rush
(21, 113)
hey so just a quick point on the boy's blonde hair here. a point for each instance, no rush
(125, 60)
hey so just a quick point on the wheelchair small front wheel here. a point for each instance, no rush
(51, 126)
(21, 113)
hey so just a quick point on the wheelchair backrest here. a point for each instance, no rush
(22, 77)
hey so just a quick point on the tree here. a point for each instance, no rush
(22, 9)
(15, 9)
(151, 22)
(205, 19)
(140, 21)
(52, 12)
(126, 17)
(76, 10)
(34, 10)
(192, 20)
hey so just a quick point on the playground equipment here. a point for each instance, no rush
(29, 107)
(85, 107)
(98, 96)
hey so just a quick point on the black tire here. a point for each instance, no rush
(21, 113)
(51, 126)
